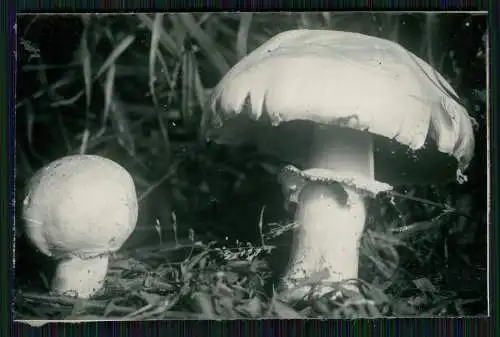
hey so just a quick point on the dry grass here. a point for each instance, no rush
(194, 280)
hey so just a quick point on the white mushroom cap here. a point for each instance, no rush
(80, 206)
(348, 80)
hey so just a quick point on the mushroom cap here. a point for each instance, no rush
(344, 79)
(81, 205)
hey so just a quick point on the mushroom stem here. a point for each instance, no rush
(81, 277)
(330, 229)
(342, 150)
(331, 216)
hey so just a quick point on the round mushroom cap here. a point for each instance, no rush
(81, 205)
(335, 78)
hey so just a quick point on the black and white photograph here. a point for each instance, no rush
(251, 165)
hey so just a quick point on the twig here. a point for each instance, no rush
(68, 301)
(429, 202)
(167, 175)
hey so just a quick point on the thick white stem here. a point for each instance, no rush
(330, 229)
(80, 277)
(332, 216)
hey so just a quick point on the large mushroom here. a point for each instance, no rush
(78, 210)
(351, 115)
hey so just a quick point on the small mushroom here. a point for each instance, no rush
(78, 210)
(351, 115)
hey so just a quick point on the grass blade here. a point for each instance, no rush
(108, 94)
(85, 58)
(242, 37)
(187, 86)
(200, 91)
(165, 40)
(155, 39)
(206, 43)
(122, 46)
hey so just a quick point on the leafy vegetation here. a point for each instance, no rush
(213, 231)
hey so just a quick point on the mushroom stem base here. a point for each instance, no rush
(80, 277)
(331, 220)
